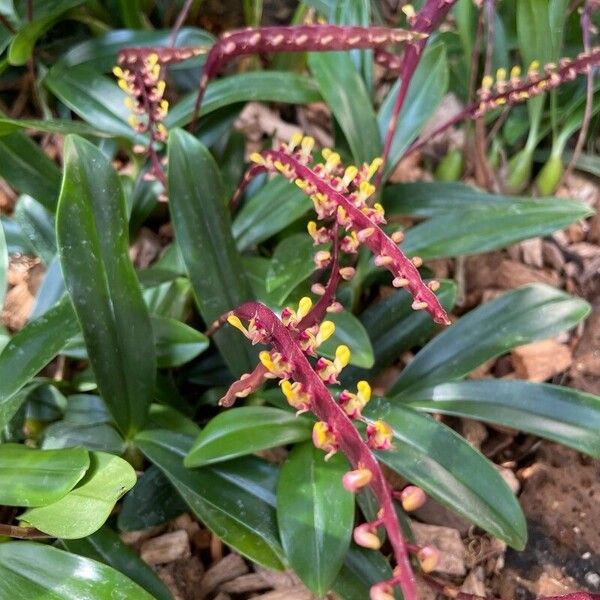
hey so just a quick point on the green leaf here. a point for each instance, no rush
(315, 515)
(561, 414)
(153, 501)
(3, 266)
(86, 507)
(529, 313)
(106, 547)
(176, 342)
(291, 264)
(451, 471)
(245, 430)
(344, 91)
(349, 331)
(103, 285)
(236, 500)
(60, 126)
(95, 436)
(30, 570)
(31, 477)
(94, 97)
(203, 233)
(427, 88)
(37, 224)
(31, 349)
(275, 206)
(457, 227)
(362, 568)
(27, 168)
(260, 86)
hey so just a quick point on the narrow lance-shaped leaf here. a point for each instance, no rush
(203, 233)
(103, 285)
(30, 570)
(315, 515)
(437, 459)
(561, 414)
(529, 313)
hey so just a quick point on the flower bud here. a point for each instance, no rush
(379, 435)
(428, 557)
(347, 273)
(412, 498)
(381, 591)
(324, 438)
(355, 480)
(365, 536)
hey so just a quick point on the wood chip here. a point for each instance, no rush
(298, 592)
(277, 579)
(511, 274)
(474, 432)
(166, 548)
(447, 541)
(134, 538)
(226, 569)
(252, 582)
(531, 251)
(541, 360)
(553, 256)
(510, 479)
(474, 583)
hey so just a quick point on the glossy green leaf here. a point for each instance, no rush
(292, 263)
(93, 436)
(103, 285)
(427, 88)
(37, 224)
(236, 499)
(362, 568)
(344, 91)
(203, 233)
(176, 342)
(561, 414)
(86, 507)
(529, 313)
(16, 241)
(106, 547)
(94, 97)
(246, 430)
(153, 501)
(275, 206)
(30, 570)
(31, 477)
(28, 168)
(60, 126)
(349, 331)
(450, 470)
(260, 86)
(315, 515)
(394, 327)
(31, 349)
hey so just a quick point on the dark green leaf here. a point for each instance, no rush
(38, 225)
(561, 414)
(94, 436)
(291, 264)
(275, 206)
(261, 86)
(29, 351)
(451, 471)
(236, 500)
(529, 313)
(106, 547)
(27, 168)
(3, 266)
(60, 126)
(246, 430)
(343, 89)
(176, 342)
(30, 570)
(349, 331)
(153, 501)
(31, 477)
(315, 515)
(362, 568)
(204, 236)
(426, 90)
(103, 285)
(86, 507)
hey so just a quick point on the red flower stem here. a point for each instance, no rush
(519, 93)
(250, 174)
(379, 243)
(293, 38)
(426, 20)
(350, 440)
